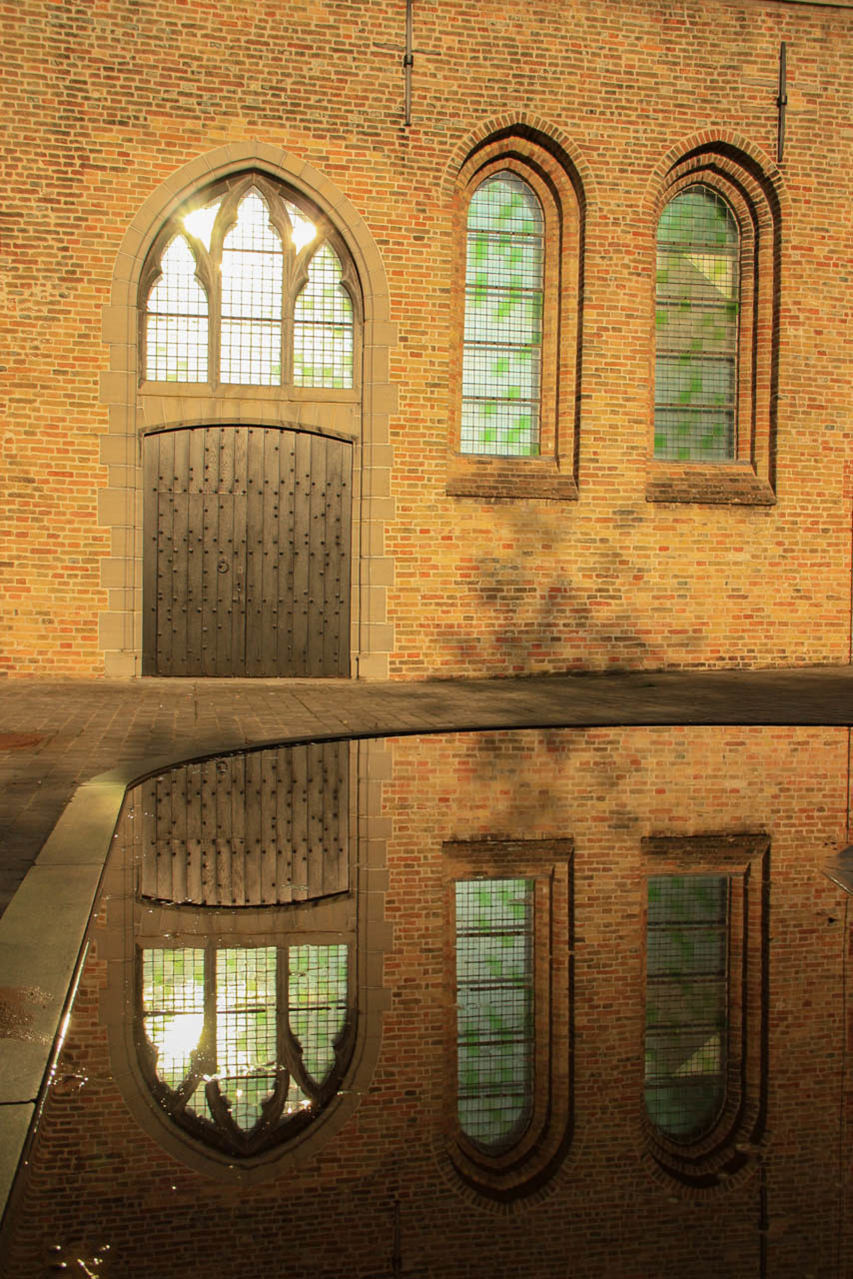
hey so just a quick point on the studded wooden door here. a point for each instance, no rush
(258, 829)
(247, 553)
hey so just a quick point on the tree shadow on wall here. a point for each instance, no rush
(522, 616)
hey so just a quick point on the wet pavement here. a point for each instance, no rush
(55, 735)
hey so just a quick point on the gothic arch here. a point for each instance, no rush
(361, 417)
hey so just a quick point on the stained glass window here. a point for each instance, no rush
(686, 1003)
(177, 321)
(503, 320)
(697, 328)
(323, 326)
(494, 993)
(216, 1020)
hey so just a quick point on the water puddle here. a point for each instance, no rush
(528, 1003)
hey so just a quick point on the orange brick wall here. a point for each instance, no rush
(107, 100)
(95, 1177)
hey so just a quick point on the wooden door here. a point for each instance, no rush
(258, 829)
(247, 553)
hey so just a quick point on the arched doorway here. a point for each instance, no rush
(249, 302)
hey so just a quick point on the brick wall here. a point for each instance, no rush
(96, 1177)
(109, 101)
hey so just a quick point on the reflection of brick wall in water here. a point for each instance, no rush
(602, 1212)
(590, 555)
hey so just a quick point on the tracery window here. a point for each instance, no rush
(698, 286)
(249, 287)
(177, 328)
(686, 1003)
(503, 319)
(240, 1043)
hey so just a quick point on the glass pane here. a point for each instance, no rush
(494, 984)
(246, 1056)
(509, 429)
(252, 269)
(323, 326)
(512, 374)
(690, 434)
(698, 216)
(696, 327)
(317, 999)
(694, 382)
(503, 318)
(173, 1009)
(177, 323)
(686, 1002)
(251, 352)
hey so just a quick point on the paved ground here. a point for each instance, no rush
(55, 735)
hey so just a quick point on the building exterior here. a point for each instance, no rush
(550, 373)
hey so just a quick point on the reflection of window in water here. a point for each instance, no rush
(686, 1003)
(245, 1018)
(223, 1038)
(494, 985)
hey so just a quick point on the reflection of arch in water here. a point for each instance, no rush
(240, 1024)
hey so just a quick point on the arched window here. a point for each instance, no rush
(515, 365)
(247, 263)
(715, 215)
(240, 1003)
(242, 1044)
(176, 333)
(280, 296)
(501, 375)
(249, 325)
(698, 286)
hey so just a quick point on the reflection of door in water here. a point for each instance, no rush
(247, 537)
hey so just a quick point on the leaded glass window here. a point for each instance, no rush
(494, 994)
(323, 326)
(247, 289)
(502, 354)
(686, 1003)
(698, 269)
(177, 321)
(243, 1041)
(252, 272)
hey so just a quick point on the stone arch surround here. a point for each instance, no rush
(133, 414)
